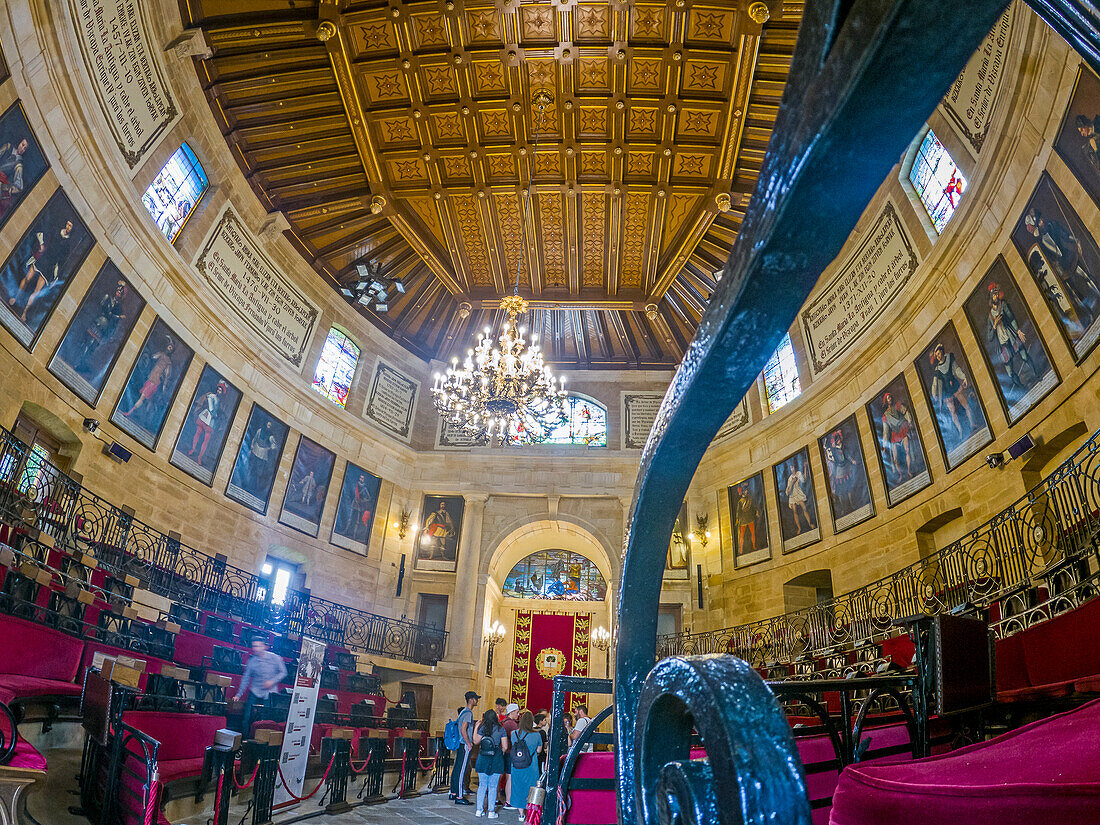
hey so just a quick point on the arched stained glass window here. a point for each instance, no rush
(336, 367)
(781, 376)
(175, 191)
(556, 574)
(937, 180)
(585, 425)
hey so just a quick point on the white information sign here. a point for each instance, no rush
(639, 411)
(299, 722)
(969, 103)
(864, 285)
(254, 288)
(453, 437)
(391, 400)
(126, 73)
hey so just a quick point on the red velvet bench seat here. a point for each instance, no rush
(183, 739)
(1045, 773)
(37, 661)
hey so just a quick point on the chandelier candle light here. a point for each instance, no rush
(507, 391)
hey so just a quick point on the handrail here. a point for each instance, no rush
(1039, 540)
(38, 493)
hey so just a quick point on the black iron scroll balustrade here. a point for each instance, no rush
(1035, 559)
(558, 746)
(864, 78)
(37, 494)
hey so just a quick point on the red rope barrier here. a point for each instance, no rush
(431, 765)
(366, 762)
(324, 778)
(251, 779)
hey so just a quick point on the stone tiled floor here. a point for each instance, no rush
(435, 809)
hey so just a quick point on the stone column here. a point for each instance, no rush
(467, 592)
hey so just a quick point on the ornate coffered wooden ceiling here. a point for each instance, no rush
(404, 133)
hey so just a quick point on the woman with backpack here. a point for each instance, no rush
(526, 746)
(493, 744)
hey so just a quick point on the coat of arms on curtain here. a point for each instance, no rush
(548, 645)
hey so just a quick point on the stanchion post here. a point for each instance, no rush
(223, 781)
(339, 751)
(263, 786)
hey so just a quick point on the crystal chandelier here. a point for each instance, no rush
(504, 392)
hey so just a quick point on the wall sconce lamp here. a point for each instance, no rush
(494, 637)
(601, 638)
(701, 534)
(402, 527)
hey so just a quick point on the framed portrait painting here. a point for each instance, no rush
(898, 443)
(22, 163)
(310, 476)
(1063, 258)
(206, 426)
(794, 484)
(677, 563)
(749, 520)
(439, 534)
(96, 334)
(258, 459)
(40, 267)
(356, 509)
(846, 482)
(1010, 344)
(1078, 139)
(957, 411)
(151, 387)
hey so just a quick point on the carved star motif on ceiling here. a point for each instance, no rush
(710, 24)
(538, 22)
(647, 20)
(593, 120)
(495, 123)
(592, 22)
(376, 35)
(489, 77)
(541, 73)
(430, 29)
(397, 130)
(697, 123)
(387, 85)
(501, 166)
(592, 163)
(691, 164)
(640, 163)
(407, 169)
(439, 80)
(643, 120)
(448, 126)
(484, 24)
(593, 73)
(645, 73)
(703, 76)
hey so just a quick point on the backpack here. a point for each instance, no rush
(489, 744)
(452, 736)
(521, 753)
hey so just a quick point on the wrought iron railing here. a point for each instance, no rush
(37, 494)
(1035, 559)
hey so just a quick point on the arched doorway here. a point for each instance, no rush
(549, 588)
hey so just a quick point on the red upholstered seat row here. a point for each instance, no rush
(183, 739)
(37, 661)
(1052, 659)
(1045, 772)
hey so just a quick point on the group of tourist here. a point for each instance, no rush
(510, 748)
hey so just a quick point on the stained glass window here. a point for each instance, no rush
(781, 376)
(175, 191)
(335, 367)
(556, 574)
(937, 180)
(585, 425)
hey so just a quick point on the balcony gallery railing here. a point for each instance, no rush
(1034, 559)
(35, 492)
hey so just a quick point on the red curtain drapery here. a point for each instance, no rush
(548, 644)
